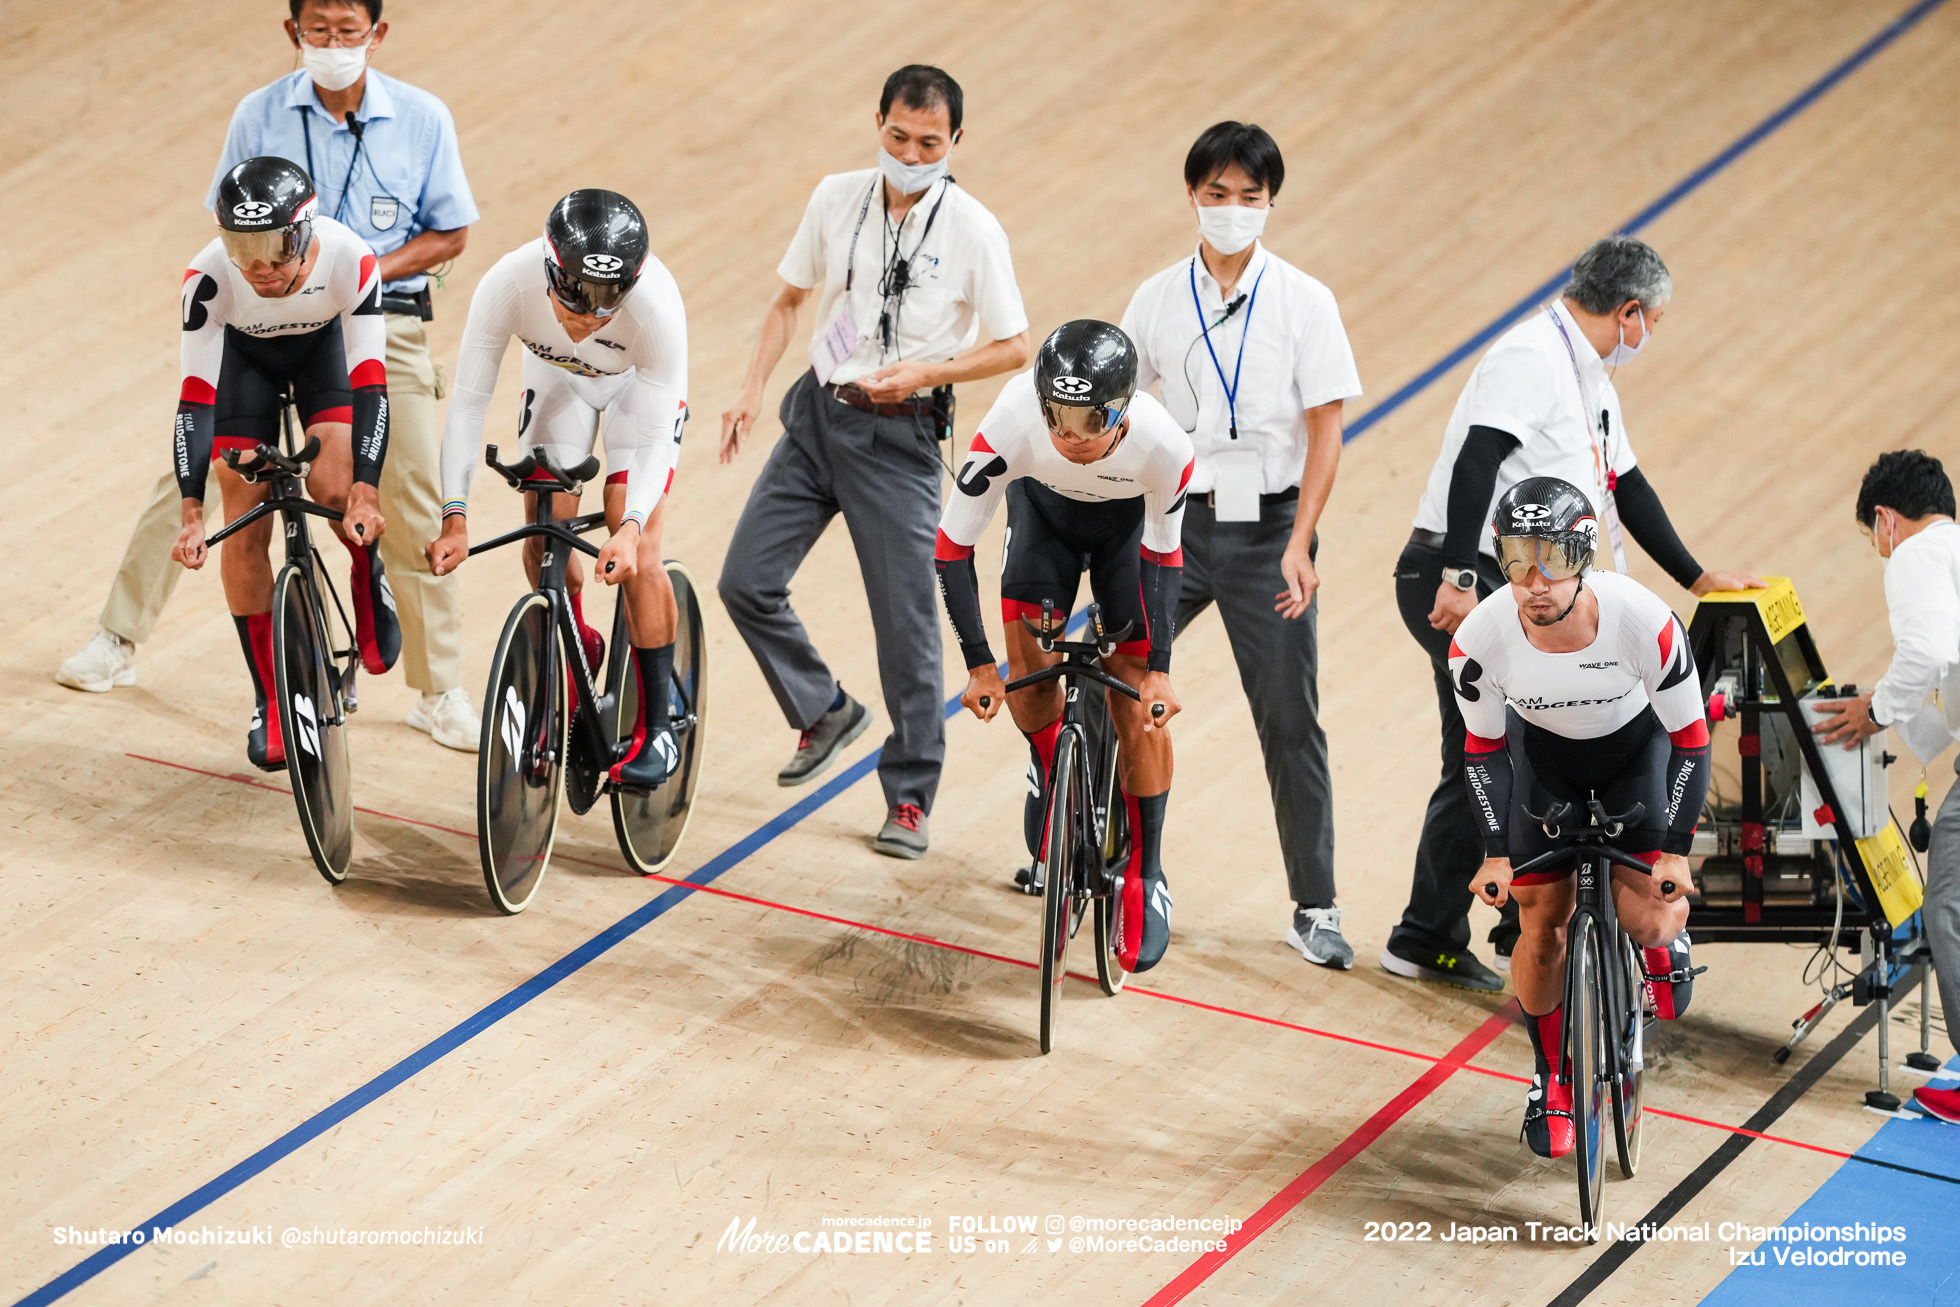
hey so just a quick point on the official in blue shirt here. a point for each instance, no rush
(384, 159)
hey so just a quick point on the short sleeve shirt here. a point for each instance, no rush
(1296, 356)
(1529, 385)
(961, 281)
(406, 178)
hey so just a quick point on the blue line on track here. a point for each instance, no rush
(1680, 191)
(96, 1263)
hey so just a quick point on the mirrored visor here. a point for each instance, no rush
(1553, 557)
(1079, 423)
(245, 248)
(592, 298)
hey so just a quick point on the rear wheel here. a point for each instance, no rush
(1115, 830)
(311, 722)
(1585, 1031)
(1629, 1065)
(650, 823)
(1061, 874)
(521, 756)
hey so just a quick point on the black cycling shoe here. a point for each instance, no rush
(262, 746)
(1028, 879)
(656, 759)
(1156, 923)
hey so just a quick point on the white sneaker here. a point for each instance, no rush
(449, 718)
(104, 663)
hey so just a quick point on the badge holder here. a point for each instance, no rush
(831, 346)
(1235, 493)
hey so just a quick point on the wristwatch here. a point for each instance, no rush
(1463, 578)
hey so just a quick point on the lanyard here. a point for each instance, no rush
(359, 130)
(897, 269)
(1595, 430)
(1245, 329)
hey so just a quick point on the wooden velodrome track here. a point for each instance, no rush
(182, 990)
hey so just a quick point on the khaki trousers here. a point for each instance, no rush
(430, 608)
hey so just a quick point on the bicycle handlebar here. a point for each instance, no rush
(266, 459)
(522, 473)
(1095, 674)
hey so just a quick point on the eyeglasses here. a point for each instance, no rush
(1555, 557)
(321, 38)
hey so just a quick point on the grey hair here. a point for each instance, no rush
(1615, 270)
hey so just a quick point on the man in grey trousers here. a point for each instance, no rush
(1906, 506)
(914, 270)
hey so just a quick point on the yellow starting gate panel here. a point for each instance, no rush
(1884, 856)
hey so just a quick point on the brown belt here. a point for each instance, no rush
(917, 406)
(1426, 539)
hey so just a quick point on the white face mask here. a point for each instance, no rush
(911, 178)
(333, 68)
(1229, 228)
(1622, 352)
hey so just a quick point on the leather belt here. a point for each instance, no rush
(415, 304)
(916, 406)
(1426, 539)
(1286, 496)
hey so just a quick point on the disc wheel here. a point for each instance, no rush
(311, 723)
(1629, 1069)
(650, 823)
(1061, 876)
(520, 757)
(1115, 830)
(1585, 1032)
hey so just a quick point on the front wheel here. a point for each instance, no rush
(650, 823)
(1062, 870)
(520, 763)
(1628, 1070)
(1115, 829)
(311, 722)
(1585, 1035)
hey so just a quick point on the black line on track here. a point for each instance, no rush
(1731, 1148)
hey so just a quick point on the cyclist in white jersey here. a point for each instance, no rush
(605, 339)
(1575, 684)
(1092, 473)
(284, 297)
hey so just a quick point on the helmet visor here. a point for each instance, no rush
(1076, 422)
(1555, 557)
(595, 299)
(280, 245)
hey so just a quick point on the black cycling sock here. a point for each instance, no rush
(1150, 835)
(656, 668)
(838, 702)
(244, 625)
(1542, 1029)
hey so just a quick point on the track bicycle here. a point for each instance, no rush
(314, 653)
(532, 747)
(1605, 1011)
(1084, 846)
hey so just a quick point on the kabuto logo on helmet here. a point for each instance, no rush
(1073, 387)
(251, 211)
(603, 265)
(1530, 513)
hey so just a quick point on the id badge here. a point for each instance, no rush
(1235, 493)
(831, 346)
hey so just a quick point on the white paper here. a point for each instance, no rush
(1236, 491)
(1925, 733)
(831, 346)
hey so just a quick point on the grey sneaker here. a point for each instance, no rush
(1445, 967)
(818, 747)
(103, 663)
(903, 834)
(1316, 932)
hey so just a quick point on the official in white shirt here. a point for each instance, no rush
(915, 271)
(1906, 506)
(1250, 357)
(1540, 403)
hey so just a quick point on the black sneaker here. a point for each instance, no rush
(1444, 966)
(651, 764)
(818, 747)
(1028, 879)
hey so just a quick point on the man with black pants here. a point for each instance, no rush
(1253, 362)
(914, 270)
(1540, 403)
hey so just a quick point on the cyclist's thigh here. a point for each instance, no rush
(1642, 780)
(624, 422)
(1037, 562)
(1115, 557)
(245, 411)
(319, 377)
(1535, 788)
(555, 414)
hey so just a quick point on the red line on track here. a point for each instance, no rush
(1342, 1153)
(1463, 1065)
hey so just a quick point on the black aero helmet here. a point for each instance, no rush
(266, 208)
(1547, 524)
(595, 245)
(1086, 364)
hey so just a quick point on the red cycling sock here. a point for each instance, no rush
(258, 645)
